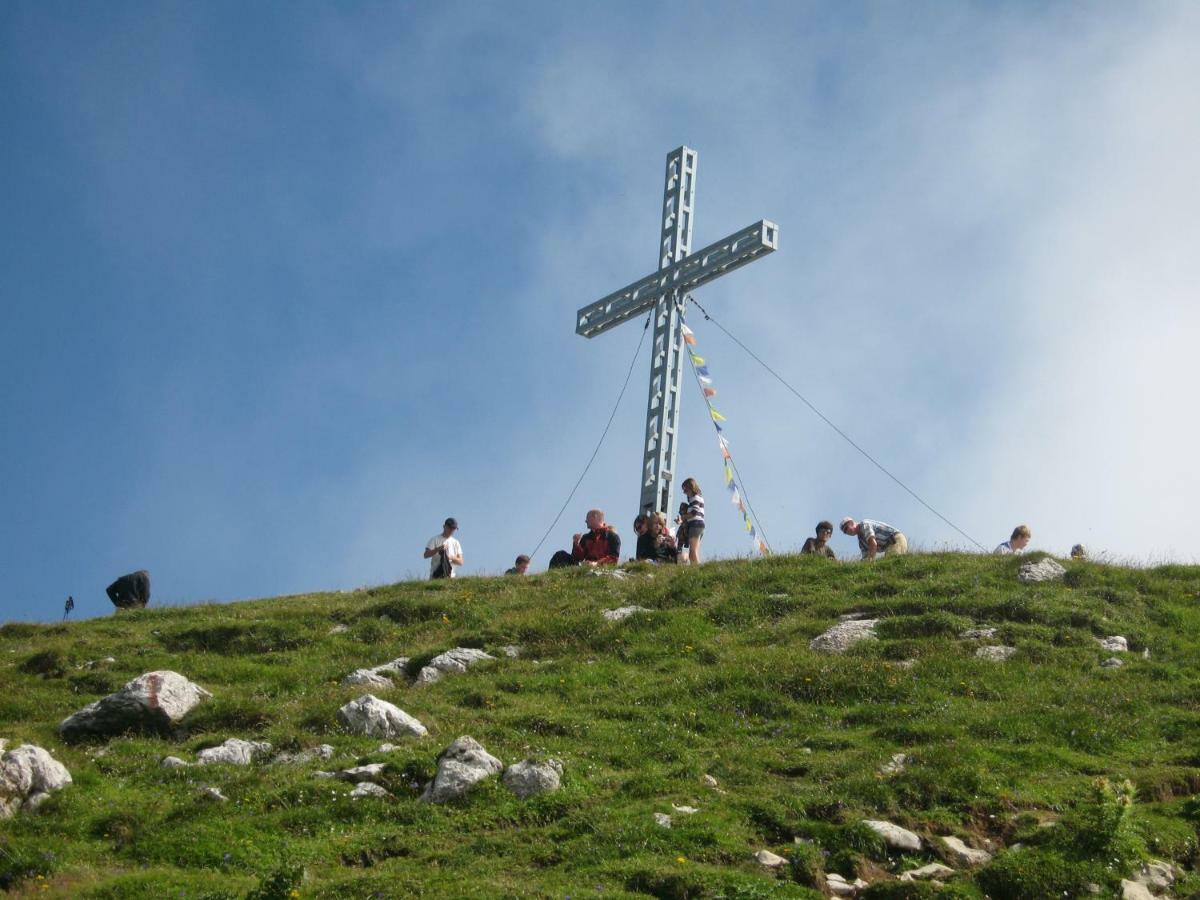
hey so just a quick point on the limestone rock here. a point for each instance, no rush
(840, 637)
(300, 757)
(608, 572)
(995, 654)
(709, 780)
(397, 666)
(1113, 662)
(369, 678)
(368, 789)
(359, 774)
(769, 859)
(212, 793)
(339, 629)
(454, 661)
(662, 820)
(925, 873)
(621, 613)
(529, 778)
(979, 634)
(1042, 570)
(1156, 875)
(174, 762)
(685, 810)
(512, 651)
(962, 855)
(840, 887)
(27, 776)
(461, 766)
(894, 836)
(371, 716)
(1134, 890)
(234, 752)
(895, 765)
(1114, 644)
(155, 701)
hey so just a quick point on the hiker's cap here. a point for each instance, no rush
(450, 523)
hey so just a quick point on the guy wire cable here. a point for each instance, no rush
(603, 435)
(843, 434)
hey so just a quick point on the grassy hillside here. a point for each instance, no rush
(718, 680)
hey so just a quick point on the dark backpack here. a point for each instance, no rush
(445, 569)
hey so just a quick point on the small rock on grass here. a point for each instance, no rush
(710, 781)
(662, 820)
(371, 716)
(769, 860)
(214, 794)
(461, 766)
(893, 835)
(842, 636)
(1114, 644)
(359, 774)
(300, 757)
(234, 752)
(1112, 662)
(1134, 890)
(925, 873)
(1042, 570)
(621, 613)
(978, 634)
(840, 887)
(174, 762)
(529, 778)
(962, 855)
(686, 810)
(155, 700)
(452, 662)
(995, 654)
(368, 789)
(895, 765)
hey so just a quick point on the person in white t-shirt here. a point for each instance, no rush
(446, 543)
(1018, 542)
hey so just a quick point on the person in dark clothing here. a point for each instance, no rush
(819, 545)
(601, 546)
(130, 591)
(657, 544)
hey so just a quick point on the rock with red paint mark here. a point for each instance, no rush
(151, 702)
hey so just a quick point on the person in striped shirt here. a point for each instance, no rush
(875, 537)
(694, 519)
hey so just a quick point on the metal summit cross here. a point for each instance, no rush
(666, 292)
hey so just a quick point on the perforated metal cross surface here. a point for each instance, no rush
(666, 292)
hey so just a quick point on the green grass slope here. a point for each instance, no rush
(718, 680)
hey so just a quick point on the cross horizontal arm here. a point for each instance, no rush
(686, 275)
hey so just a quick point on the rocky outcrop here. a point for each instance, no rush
(234, 752)
(154, 702)
(1042, 570)
(621, 613)
(894, 836)
(995, 654)
(28, 774)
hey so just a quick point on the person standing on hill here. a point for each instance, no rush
(1018, 542)
(875, 537)
(694, 519)
(819, 545)
(444, 551)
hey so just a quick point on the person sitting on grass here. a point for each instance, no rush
(1018, 542)
(658, 544)
(819, 545)
(520, 567)
(600, 546)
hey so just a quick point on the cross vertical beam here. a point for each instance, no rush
(666, 354)
(665, 294)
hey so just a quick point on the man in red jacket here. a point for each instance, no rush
(601, 546)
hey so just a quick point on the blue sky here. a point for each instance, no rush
(284, 285)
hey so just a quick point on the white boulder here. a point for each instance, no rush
(155, 700)
(995, 654)
(621, 613)
(962, 855)
(452, 662)
(1042, 570)
(894, 836)
(769, 860)
(529, 778)
(368, 789)
(371, 716)
(1114, 644)
(234, 752)
(27, 776)
(926, 873)
(842, 636)
(461, 766)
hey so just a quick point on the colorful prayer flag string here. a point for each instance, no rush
(735, 495)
